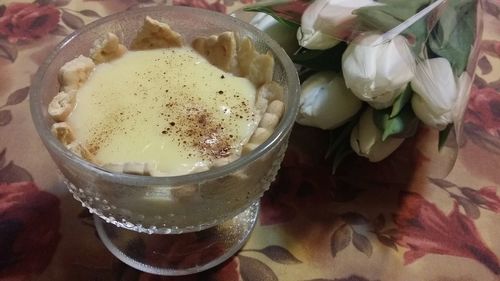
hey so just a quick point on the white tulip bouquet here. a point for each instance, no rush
(373, 71)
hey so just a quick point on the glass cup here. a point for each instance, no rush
(169, 225)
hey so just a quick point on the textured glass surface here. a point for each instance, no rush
(166, 204)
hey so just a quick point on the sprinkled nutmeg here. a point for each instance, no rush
(166, 110)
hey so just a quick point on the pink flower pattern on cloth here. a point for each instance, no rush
(384, 221)
(484, 110)
(27, 21)
(29, 229)
(425, 229)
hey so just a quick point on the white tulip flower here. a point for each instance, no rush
(436, 93)
(326, 22)
(281, 33)
(325, 101)
(378, 73)
(366, 139)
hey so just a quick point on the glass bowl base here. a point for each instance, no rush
(178, 254)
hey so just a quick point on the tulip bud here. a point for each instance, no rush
(366, 139)
(378, 73)
(325, 102)
(436, 93)
(281, 33)
(325, 22)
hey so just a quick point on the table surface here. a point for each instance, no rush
(394, 220)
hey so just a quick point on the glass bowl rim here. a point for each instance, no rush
(279, 134)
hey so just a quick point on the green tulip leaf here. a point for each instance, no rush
(377, 18)
(340, 142)
(288, 13)
(379, 118)
(330, 59)
(344, 151)
(272, 13)
(453, 37)
(403, 125)
(383, 18)
(443, 136)
(339, 136)
(401, 101)
(390, 14)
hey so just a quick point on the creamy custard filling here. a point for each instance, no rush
(161, 109)
(169, 108)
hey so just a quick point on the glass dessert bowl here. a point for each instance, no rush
(180, 224)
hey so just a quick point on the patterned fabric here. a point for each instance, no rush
(394, 220)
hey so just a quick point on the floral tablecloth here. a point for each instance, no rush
(393, 220)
